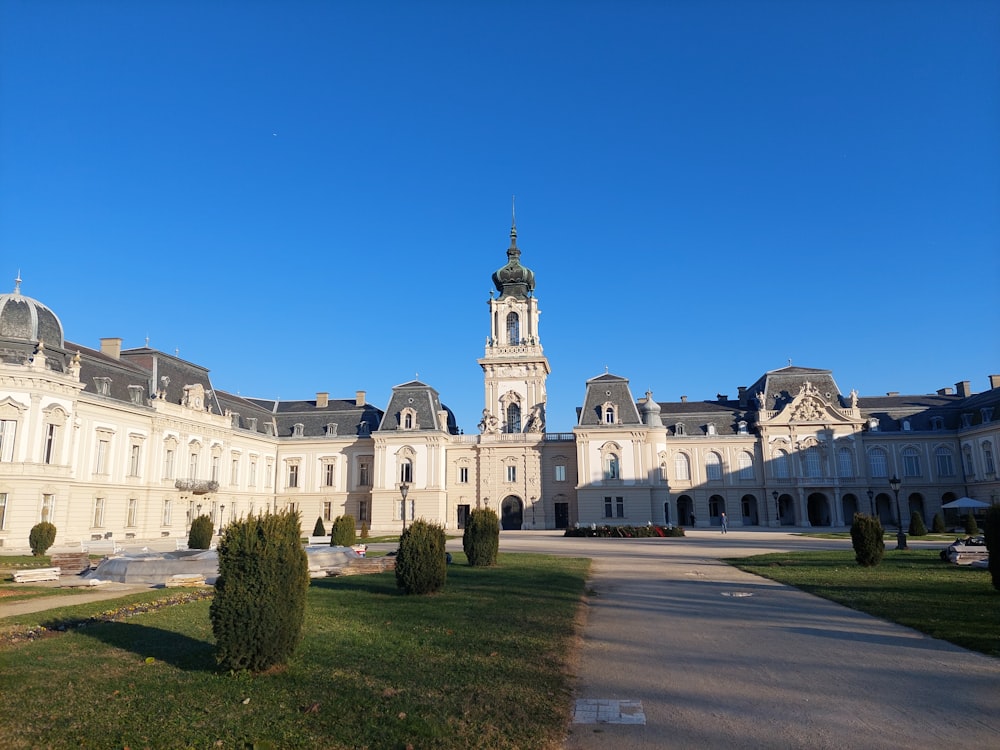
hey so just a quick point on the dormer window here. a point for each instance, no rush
(967, 420)
(252, 423)
(987, 414)
(297, 429)
(937, 423)
(102, 386)
(408, 419)
(710, 429)
(269, 428)
(906, 425)
(331, 429)
(608, 415)
(679, 428)
(873, 424)
(741, 427)
(135, 394)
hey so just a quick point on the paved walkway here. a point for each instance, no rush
(694, 653)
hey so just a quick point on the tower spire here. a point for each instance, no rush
(513, 223)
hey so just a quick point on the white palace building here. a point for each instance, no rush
(130, 445)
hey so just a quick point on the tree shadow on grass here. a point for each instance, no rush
(174, 648)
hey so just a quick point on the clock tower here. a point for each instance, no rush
(514, 366)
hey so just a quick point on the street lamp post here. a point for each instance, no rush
(404, 488)
(895, 484)
(777, 508)
(871, 501)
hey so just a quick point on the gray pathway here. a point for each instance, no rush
(699, 654)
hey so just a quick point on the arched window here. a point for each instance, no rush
(609, 415)
(945, 462)
(682, 467)
(406, 471)
(612, 469)
(513, 329)
(781, 467)
(745, 462)
(988, 465)
(845, 463)
(408, 421)
(911, 462)
(513, 423)
(713, 466)
(878, 461)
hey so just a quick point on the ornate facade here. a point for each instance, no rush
(132, 444)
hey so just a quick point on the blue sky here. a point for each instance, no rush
(312, 196)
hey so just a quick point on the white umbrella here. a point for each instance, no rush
(966, 502)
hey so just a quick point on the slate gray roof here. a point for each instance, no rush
(602, 389)
(424, 400)
(696, 416)
(782, 385)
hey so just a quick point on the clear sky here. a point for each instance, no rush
(312, 196)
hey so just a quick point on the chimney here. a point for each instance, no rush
(944, 391)
(963, 388)
(722, 396)
(322, 400)
(684, 399)
(111, 348)
(359, 398)
(892, 393)
(742, 390)
(994, 381)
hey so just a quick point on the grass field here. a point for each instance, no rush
(913, 588)
(482, 665)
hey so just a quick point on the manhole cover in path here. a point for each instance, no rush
(598, 711)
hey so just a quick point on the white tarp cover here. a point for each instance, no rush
(966, 502)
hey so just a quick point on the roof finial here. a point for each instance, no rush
(513, 222)
(17, 284)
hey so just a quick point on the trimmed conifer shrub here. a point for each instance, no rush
(421, 563)
(319, 529)
(481, 538)
(867, 540)
(41, 537)
(342, 532)
(260, 595)
(364, 529)
(971, 527)
(200, 535)
(992, 534)
(938, 525)
(917, 527)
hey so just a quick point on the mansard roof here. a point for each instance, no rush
(424, 401)
(697, 416)
(606, 389)
(782, 385)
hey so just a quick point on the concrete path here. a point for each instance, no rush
(693, 653)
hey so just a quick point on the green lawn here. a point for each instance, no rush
(914, 588)
(481, 665)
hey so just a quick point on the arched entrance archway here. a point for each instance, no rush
(849, 503)
(915, 503)
(716, 507)
(748, 505)
(685, 511)
(884, 510)
(511, 513)
(786, 510)
(819, 510)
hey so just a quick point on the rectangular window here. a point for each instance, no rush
(234, 472)
(293, 475)
(3, 510)
(327, 511)
(98, 512)
(463, 474)
(812, 464)
(879, 464)
(365, 471)
(406, 471)
(8, 428)
(102, 457)
(560, 473)
(168, 464)
(363, 511)
(845, 466)
(911, 464)
(620, 507)
(193, 466)
(329, 474)
(48, 509)
(945, 465)
(132, 507)
(268, 474)
(133, 461)
(988, 459)
(215, 469)
(511, 473)
(50, 444)
(167, 509)
(608, 508)
(252, 478)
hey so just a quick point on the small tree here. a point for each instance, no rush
(938, 525)
(260, 595)
(971, 527)
(481, 538)
(992, 534)
(421, 563)
(319, 529)
(867, 540)
(342, 533)
(917, 527)
(364, 529)
(41, 537)
(200, 535)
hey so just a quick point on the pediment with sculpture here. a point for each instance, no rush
(810, 406)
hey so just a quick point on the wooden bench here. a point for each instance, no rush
(33, 575)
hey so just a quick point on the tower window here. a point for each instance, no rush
(513, 418)
(513, 329)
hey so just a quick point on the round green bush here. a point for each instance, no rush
(41, 537)
(260, 596)
(319, 529)
(481, 538)
(867, 539)
(917, 527)
(421, 562)
(200, 535)
(342, 532)
(992, 534)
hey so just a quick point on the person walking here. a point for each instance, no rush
(725, 522)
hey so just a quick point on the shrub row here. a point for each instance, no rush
(626, 532)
